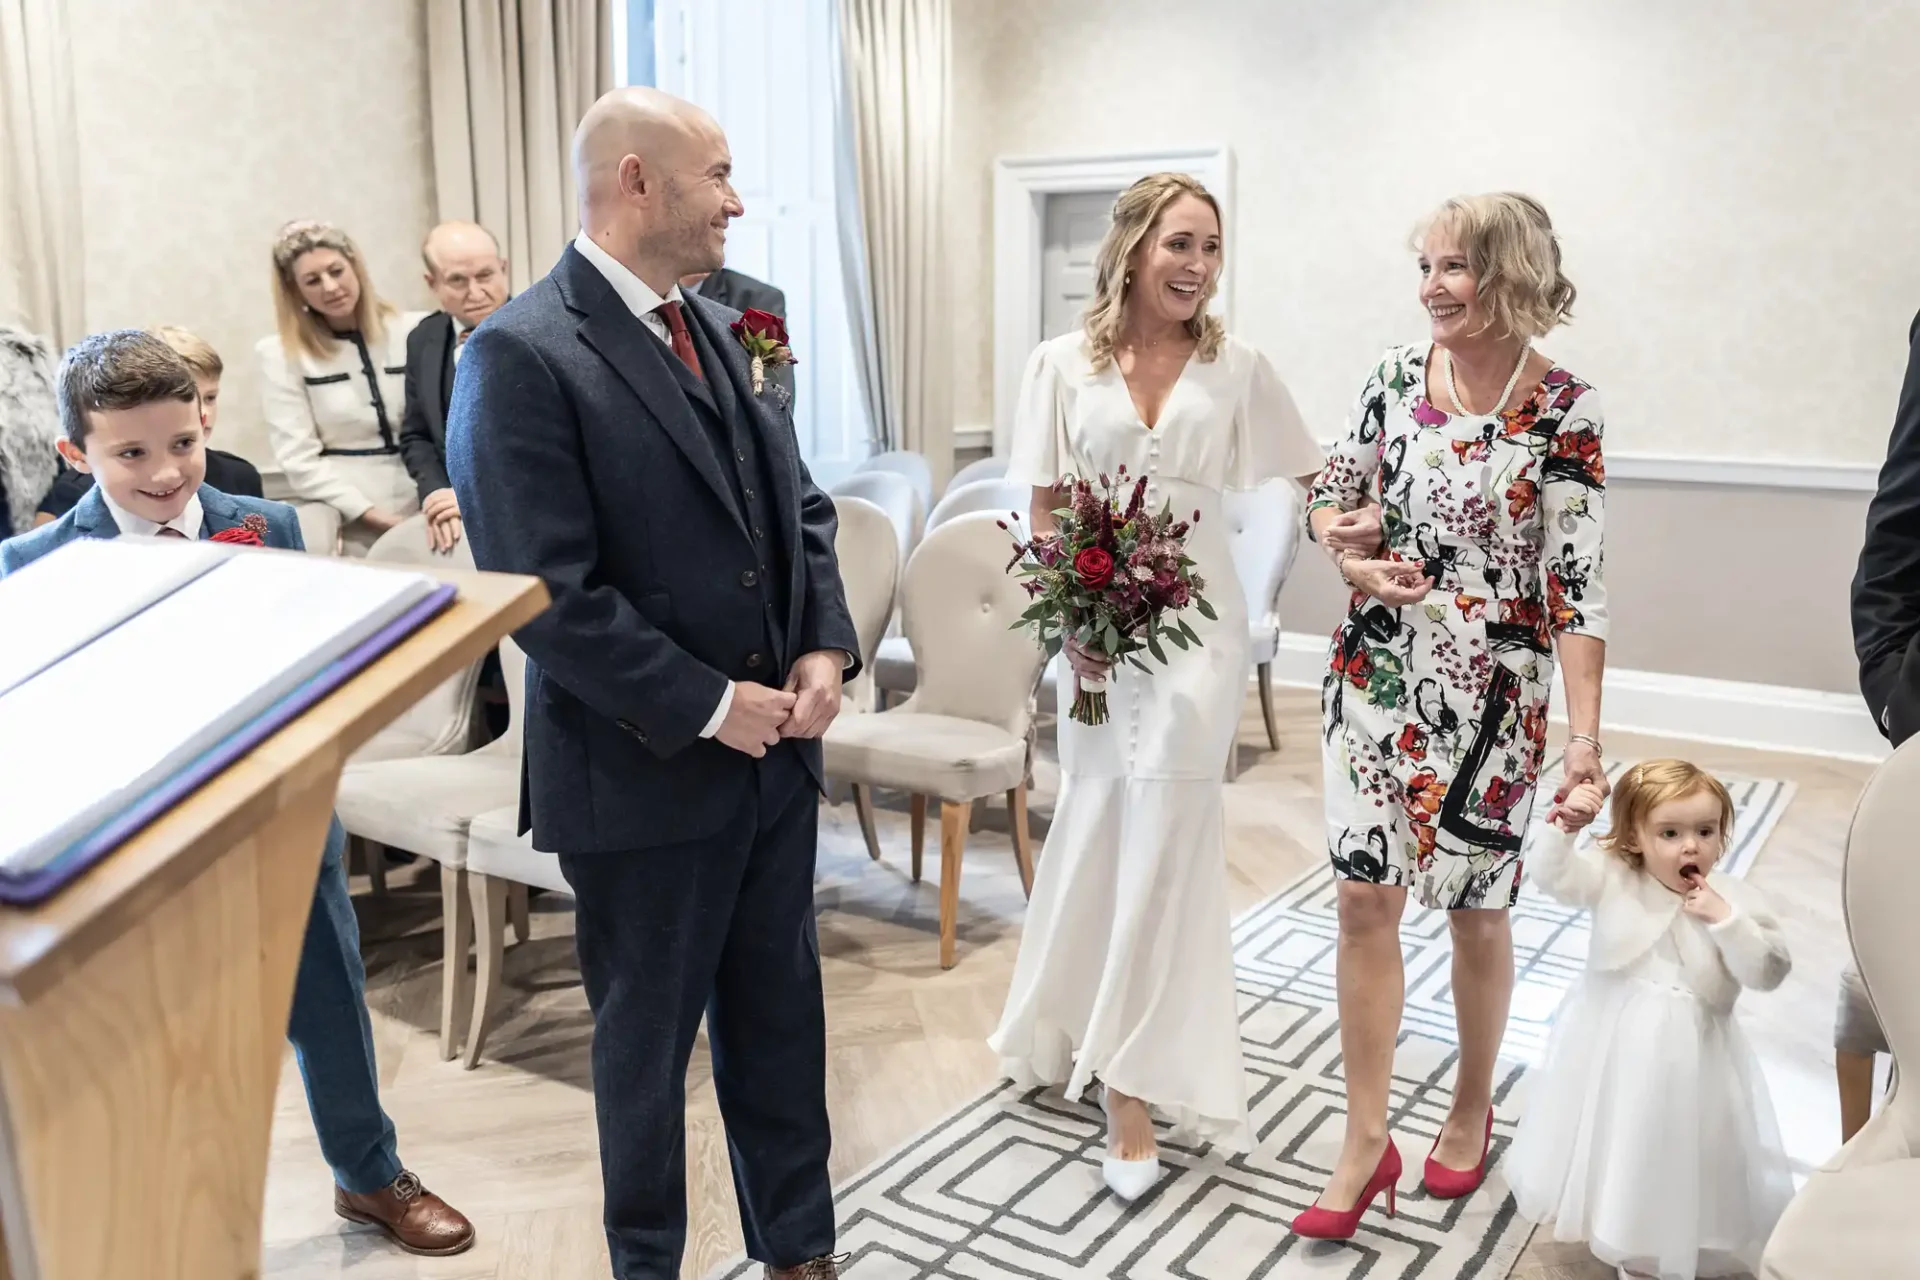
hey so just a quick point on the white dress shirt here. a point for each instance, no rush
(460, 331)
(188, 523)
(644, 303)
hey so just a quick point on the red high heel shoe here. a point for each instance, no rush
(1443, 1183)
(1325, 1224)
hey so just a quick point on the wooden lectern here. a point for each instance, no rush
(143, 1009)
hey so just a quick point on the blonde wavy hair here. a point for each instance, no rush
(1647, 786)
(1135, 214)
(1514, 255)
(301, 328)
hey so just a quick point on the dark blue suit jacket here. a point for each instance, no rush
(90, 518)
(577, 456)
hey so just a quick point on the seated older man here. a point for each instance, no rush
(469, 276)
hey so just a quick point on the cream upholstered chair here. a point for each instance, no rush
(962, 736)
(870, 564)
(501, 863)
(892, 493)
(427, 806)
(905, 462)
(444, 721)
(893, 669)
(320, 527)
(1263, 532)
(1855, 1215)
(980, 469)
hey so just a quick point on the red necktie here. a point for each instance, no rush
(168, 531)
(681, 339)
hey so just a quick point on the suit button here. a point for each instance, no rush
(749, 579)
(741, 454)
(749, 495)
(753, 661)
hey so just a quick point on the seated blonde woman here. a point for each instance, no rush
(333, 384)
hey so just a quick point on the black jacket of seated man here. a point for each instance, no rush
(742, 292)
(423, 425)
(1886, 590)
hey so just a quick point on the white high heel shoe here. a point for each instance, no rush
(1128, 1179)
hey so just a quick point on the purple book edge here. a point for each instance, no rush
(40, 884)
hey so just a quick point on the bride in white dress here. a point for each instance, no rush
(1125, 973)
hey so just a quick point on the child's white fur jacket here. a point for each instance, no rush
(1632, 911)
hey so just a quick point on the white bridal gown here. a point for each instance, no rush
(1125, 971)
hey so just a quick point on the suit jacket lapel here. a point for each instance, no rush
(218, 513)
(731, 368)
(645, 364)
(91, 518)
(439, 375)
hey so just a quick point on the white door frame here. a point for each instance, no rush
(1020, 190)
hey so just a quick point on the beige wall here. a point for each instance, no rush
(1731, 177)
(1729, 583)
(204, 126)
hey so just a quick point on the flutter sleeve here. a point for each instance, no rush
(1040, 453)
(1270, 438)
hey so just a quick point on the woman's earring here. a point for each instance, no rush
(1126, 280)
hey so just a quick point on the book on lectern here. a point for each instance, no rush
(133, 671)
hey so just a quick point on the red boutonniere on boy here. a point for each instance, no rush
(764, 335)
(248, 533)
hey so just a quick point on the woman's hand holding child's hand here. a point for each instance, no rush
(1580, 808)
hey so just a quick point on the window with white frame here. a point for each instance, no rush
(764, 69)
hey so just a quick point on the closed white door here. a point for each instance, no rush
(1070, 236)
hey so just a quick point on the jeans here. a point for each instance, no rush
(332, 1035)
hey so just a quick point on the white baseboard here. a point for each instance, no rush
(1763, 716)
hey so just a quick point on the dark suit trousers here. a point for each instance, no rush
(722, 926)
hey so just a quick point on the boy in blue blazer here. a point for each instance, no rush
(132, 418)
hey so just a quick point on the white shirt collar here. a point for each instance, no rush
(635, 292)
(188, 522)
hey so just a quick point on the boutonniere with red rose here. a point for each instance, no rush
(764, 335)
(250, 532)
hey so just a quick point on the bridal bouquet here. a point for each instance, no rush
(1115, 579)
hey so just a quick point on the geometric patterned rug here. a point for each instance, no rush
(1009, 1186)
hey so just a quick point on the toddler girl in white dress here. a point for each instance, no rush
(1648, 1131)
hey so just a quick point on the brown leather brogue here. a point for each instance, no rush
(818, 1269)
(412, 1216)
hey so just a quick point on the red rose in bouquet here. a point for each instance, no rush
(1114, 579)
(1094, 568)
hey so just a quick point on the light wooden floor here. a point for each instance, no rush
(512, 1143)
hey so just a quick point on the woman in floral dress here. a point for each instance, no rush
(1484, 459)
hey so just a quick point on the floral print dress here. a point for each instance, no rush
(1435, 713)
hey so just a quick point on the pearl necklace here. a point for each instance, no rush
(1460, 406)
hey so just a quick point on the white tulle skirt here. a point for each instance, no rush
(1125, 971)
(1649, 1134)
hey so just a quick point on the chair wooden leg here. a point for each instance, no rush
(1266, 705)
(519, 911)
(863, 809)
(917, 812)
(490, 896)
(1022, 837)
(373, 855)
(953, 842)
(456, 925)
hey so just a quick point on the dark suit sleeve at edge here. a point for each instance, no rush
(417, 447)
(1886, 588)
(513, 445)
(825, 621)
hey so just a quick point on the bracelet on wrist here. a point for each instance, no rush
(1587, 738)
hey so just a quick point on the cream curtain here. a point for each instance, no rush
(895, 118)
(42, 283)
(509, 80)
